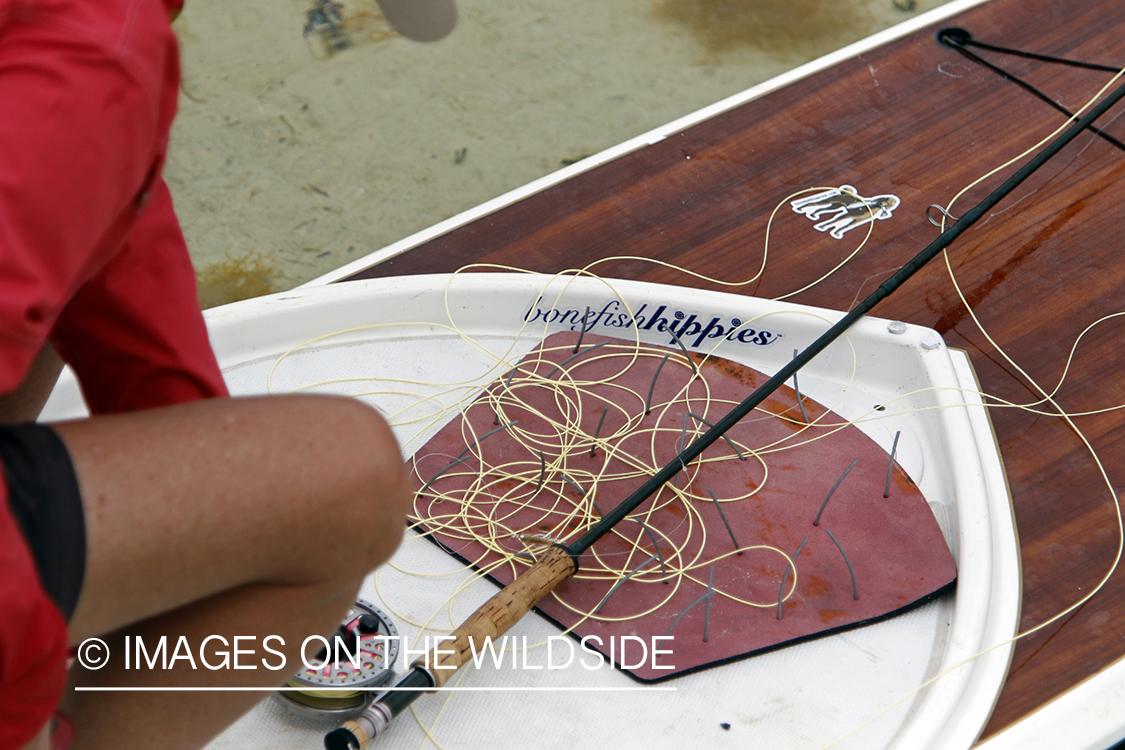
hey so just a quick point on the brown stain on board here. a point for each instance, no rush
(982, 291)
(901, 481)
(828, 615)
(816, 586)
(744, 375)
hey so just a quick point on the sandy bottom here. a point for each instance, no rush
(291, 158)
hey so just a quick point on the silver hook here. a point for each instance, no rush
(943, 212)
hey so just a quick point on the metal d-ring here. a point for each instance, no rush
(943, 212)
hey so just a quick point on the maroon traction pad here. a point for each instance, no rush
(535, 477)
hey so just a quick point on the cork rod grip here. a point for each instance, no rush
(499, 613)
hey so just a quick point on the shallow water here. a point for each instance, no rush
(291, 157)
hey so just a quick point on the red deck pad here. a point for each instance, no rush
(534, 477)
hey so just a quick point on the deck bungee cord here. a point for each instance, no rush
(558, 563)
(961, 39)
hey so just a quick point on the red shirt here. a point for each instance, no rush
(91, 258)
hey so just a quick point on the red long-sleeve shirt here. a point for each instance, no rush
(91, 258)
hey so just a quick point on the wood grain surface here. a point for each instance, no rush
(918, 120)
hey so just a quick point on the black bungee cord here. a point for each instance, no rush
(956, 37)
(961, 39)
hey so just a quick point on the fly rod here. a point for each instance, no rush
(560, 562)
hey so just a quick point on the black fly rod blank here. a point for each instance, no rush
(560, 562)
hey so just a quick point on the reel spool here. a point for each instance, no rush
(371, 630)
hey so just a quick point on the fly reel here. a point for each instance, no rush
(368, 636)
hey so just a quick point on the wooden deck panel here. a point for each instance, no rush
(918, 120)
